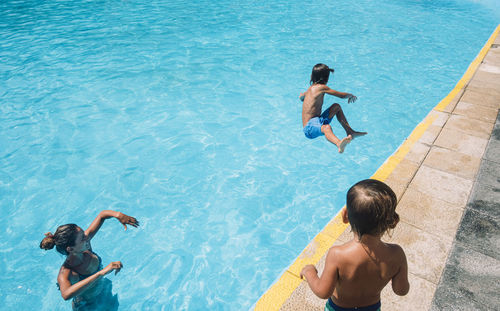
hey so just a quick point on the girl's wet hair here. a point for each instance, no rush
(320, 74)
(371, 207)
(64, 237)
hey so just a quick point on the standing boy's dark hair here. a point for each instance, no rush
(320, 74)
(371, 207)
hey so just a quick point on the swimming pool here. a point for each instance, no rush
(186, 116)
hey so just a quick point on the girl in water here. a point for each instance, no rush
(81, 274)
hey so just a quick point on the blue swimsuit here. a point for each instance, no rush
(331, 306)
(84, 276)
(313, 126)
(79, 303)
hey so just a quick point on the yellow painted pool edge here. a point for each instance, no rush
(288, 282)
(469, 72)
(279, 292)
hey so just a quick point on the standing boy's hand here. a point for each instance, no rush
(306, 270)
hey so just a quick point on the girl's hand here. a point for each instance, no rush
(307, 268)
(115, 265)
(351, 99)
(127, 220)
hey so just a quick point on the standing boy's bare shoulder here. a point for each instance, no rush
(395, 250)
(336, 254)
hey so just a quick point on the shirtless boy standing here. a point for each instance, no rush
(356, 272)
(316, 123)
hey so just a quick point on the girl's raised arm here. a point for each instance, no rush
(103, 215)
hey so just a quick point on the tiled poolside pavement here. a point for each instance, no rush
(471, 278)
(449, 202)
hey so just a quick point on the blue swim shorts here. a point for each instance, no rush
(313, 127)
(331, 306)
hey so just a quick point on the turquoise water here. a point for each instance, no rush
(186, 116)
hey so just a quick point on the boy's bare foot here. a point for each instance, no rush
(344, 143)
(355, 134)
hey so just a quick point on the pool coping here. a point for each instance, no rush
(420, 159)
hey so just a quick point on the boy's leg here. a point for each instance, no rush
(327, 130)
(336, 110)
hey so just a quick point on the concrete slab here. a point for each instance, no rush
(491, 59)
(439, 117)
(398, 187)
(484, 83)
(430, 135)
(489, 68)
(453, 162)
(449, 108)
(470, 282)
(489, 174)
(401, 176)
(418, 152)
(418, 244)
(493, 92)
(429, 214)
(485, 199)
(476, 111)
(448, 187)
(487, 76)
(469, 126)
(480, 232)
(493, 152)
(463, 143)
(420, 295)
(480, 98)
(301, 300)
(346, 236)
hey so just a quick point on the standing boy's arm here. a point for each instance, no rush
(322, 287)
(400, 284)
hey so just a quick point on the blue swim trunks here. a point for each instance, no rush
(313, 127)
(331, 306)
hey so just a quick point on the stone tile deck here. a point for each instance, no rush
(447, 178)
(470, 280)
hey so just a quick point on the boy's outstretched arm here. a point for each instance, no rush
(400, 284)
(350, 98)
(322, 286)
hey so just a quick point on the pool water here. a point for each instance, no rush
(186, 116)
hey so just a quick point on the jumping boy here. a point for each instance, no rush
(356, 272)
(316, 123)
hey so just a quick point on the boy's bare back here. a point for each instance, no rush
(363, 268)
(313, 102)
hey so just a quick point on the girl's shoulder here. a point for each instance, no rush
(68, 274)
